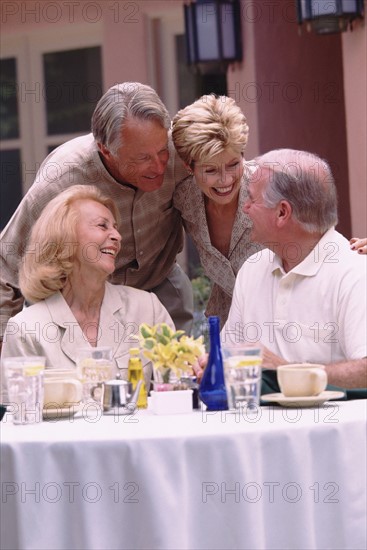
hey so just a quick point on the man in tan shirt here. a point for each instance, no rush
(130, 157)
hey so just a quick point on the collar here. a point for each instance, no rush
(72, 337)
(313, 261)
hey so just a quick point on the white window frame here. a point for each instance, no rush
(17, 48)
(28, 49)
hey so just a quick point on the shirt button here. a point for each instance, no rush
(138, 231)
(140, 253)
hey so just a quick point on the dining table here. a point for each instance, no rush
(271, 478)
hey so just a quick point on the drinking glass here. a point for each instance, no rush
(94, 366)
(24, 380)
(242, 374)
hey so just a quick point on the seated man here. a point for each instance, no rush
(304, 296)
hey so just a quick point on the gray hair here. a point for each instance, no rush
(130, 99)
(306, 182)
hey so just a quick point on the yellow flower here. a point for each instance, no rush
(170, 350)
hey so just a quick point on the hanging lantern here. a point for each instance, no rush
(213, 33)
(328, 16)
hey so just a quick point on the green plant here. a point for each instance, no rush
(201, 286)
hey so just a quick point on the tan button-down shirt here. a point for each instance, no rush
(151, 228)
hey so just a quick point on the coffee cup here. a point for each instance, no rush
(302, 379)
(61, 389)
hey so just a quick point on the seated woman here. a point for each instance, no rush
(210, 136)
(70, 255)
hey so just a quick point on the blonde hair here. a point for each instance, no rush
(50, 253)
(208, 127)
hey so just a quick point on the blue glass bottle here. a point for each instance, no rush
(212, 389)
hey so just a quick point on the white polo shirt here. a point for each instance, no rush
(317, 312)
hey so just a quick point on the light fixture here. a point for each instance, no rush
(213, 34)
(328, 16)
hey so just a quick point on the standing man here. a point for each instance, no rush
(130, 157)
(304, 296)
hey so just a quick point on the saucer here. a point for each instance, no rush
(65, 412)
(309, 401)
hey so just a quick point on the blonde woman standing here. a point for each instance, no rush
(210, 136)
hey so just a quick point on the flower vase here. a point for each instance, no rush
(164, 378)
(162, 387)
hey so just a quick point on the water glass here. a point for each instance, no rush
(242, 374)
(24, 380)
(94, 366)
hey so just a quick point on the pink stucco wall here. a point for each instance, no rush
(17, 16)
(355, 90)
(123, 27)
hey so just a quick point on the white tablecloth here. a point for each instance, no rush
(284, 479)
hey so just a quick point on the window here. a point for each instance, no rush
(48, 93)
(73, 85)
(10, 157)
(9, 128)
